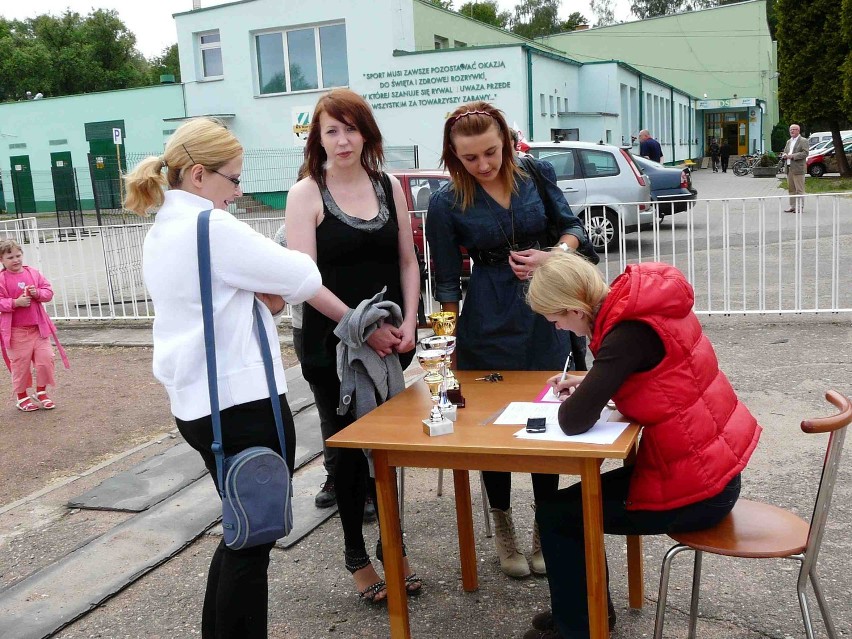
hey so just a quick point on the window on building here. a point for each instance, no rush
(302, 59)
(552, 107)
(459, 43)
(210, 46)
(543, 99)
(441, 42)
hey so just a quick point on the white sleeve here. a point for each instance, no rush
(247, 260)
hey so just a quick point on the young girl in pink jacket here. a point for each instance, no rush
(25, 328)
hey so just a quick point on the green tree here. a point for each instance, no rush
(536, 18)
(811, 50)
(604, 12)
(487, 11)
(66, 54)
(846, 27)
(573, 21)
(653, 8)
(444, 4)
(167, 63)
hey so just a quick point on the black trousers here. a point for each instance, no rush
(352, 479)
(326, 413)
(235, 603)
(725, 159)
(561, 527)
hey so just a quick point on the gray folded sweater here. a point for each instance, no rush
(364, 375)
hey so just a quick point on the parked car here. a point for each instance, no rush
(671, 188)
(823, 136)
(603, 185)
(822, 163)
(418, 186)
(825, 147)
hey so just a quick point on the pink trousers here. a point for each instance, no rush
(26, 349)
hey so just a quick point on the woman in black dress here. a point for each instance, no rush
(353, 220)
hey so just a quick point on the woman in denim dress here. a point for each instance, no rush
(493, 209)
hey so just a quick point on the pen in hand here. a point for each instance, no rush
(564, 372)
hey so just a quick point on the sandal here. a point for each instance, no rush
(370, 593)
(413, 583)
(46, 402)
(26, 404)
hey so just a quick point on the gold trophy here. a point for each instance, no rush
(432, 360)
(444, 324)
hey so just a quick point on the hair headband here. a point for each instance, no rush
(458, 117)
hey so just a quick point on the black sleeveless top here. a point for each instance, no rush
(356, 258)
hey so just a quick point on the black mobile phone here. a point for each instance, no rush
(536, 425)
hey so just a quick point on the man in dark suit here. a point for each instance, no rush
(794, 156)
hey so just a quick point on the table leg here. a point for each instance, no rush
(388, 508)
(464, 517)
(595, 557)
(635, 558)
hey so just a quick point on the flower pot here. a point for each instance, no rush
(765, 171)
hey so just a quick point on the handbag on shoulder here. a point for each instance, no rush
(586, 249)
(254, 484)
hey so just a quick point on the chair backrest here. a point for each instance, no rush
(836, 425)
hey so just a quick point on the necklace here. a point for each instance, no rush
(511, 210)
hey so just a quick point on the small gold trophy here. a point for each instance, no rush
(444, 324)
(432, 360)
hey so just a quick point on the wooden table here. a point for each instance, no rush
(394, 432)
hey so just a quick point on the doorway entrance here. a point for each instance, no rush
(22, 185)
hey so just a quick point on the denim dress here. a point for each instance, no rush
(497, 330)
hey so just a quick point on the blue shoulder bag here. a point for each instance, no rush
(254, 484)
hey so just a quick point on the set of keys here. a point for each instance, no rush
(493, 377)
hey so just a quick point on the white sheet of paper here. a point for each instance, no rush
(519, 412)
(603, 432)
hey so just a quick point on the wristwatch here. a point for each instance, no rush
(564, 246)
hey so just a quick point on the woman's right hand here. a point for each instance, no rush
(564, 388)
(385, 339)
(23, 301)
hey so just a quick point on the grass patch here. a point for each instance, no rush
(823, 184)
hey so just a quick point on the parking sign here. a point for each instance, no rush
(116, 136)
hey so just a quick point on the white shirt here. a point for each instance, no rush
(244, 262)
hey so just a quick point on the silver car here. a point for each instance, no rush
(603, 185)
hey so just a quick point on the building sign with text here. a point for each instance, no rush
(436, 85)
(726, 103)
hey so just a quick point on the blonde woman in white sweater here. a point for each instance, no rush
(200, 170)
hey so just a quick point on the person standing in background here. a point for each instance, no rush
(649, 147)
(794, 157)
(725, 154)
(714, 154)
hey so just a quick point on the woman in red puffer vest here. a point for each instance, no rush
(653, 359)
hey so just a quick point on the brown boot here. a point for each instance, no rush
(537, 558)
(512, 562)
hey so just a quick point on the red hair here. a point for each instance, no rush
(348, 107)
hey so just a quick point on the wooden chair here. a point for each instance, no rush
(758, 531)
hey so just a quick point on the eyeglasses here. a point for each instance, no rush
(232, 180)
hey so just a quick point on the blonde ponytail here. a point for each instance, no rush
(145, 185)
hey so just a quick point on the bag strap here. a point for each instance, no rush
(205, 279)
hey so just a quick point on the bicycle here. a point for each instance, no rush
(745, 164)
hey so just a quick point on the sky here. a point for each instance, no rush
(151, 20)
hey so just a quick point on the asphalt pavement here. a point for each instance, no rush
(780, 369)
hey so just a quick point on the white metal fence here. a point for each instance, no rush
(742, 256)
